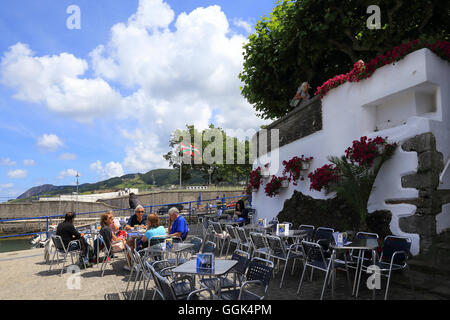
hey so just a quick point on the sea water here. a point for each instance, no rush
(15, 244)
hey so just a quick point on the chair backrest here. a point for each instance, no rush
(258, 240)
(308, 228)
(165, 286)
(58, 243)
(276, 245)
(197, 244)
(156, 240)
(242, 258)
(242, 235)
(209, 247)
(231, 231)
(217, 227)
(323, 233)
(260, 269)
(313, 255)
(365, 235)
(393, 244)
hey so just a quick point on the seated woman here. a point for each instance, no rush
(109, 238)
(154, 229)
(241, 212)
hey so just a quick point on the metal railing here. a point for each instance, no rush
(150, 209)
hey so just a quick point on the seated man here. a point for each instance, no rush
(177, 224)
(137, 218)
(66, 230)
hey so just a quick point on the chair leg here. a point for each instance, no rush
(129, 278)
(327, 276)
(284, 270)
(387, 284)
(301, 279)
(51, 262)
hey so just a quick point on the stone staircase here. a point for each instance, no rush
(430, 270)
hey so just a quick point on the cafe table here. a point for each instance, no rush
(360, 245)
(221, 267)
(294, 234)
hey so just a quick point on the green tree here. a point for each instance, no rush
(314, 40)
(222, 170)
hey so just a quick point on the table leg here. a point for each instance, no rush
(358, 265)
(374, 287)
(333, 274)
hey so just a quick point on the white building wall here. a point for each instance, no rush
(414, 93)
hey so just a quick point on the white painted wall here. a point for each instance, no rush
(91, 197)
(414, 93)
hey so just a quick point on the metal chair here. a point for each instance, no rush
(109, 256)
(244, 241)
(181, 288)
(258, 274)
(394, 256)
(279, 251)
(162, 268)
(308, 228)
(238, 272)
(219, 235)
(315, 259)
(209, 247)
(324, 237)
(233, 237)
(60, 249)
(259, 244)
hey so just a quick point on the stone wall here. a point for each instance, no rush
(426, 180)
(302, 121)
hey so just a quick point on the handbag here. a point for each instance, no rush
(117, 246)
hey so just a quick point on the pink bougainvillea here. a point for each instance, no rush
(363, 70)
(273, 186)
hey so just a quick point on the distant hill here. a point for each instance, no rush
(158, 177)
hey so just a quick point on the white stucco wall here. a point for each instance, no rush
(414, 93)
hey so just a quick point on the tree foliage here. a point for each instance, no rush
(205, 141)
(314, 40)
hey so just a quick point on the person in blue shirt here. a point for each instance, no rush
(177, 224)
(137, 218)
(154, 229)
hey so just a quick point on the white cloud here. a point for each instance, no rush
(67, 173)
(112, 169)
(49, 142)
(243, 24)
(6, 186)
(29, 162)
(17, 174)
(7, 162)
(185, 76)
(67, 156)
(55, 81)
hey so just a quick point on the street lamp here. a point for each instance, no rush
(77, 190)
(210, 171)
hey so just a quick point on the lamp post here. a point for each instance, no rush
(77, 190)
(210, 171)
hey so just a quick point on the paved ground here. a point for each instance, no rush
(24, 275)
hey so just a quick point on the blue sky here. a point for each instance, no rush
(103, 100)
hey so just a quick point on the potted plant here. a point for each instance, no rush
(295, 166)
(272, 188)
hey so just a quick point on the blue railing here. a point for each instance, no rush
(47, 218)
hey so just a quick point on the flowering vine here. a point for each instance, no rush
(363, 70)
(323, 176)
(294, 167)
(364, 151)
(255, 178)
(273, 186)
